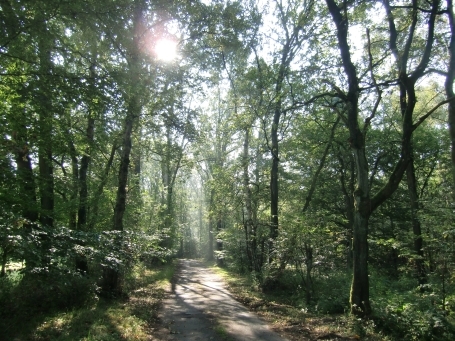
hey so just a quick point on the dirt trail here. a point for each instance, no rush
(201, 308)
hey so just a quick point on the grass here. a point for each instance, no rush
(131, 318)
(222, 333)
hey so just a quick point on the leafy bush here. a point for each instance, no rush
(332, 293)
(410, 315)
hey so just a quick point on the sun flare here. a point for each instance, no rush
(166, 49)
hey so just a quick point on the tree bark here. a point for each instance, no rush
(99, 191)
(416, 227)
(4, 261)
(360, 297)
(210, 255)
(45, 119)
(86, 158)
(249, 225)
(449, 87)
(25, 176)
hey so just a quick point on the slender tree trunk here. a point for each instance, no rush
(201, 225)
(111, 280)
(308, 277)
(274, 178)
(348, 187)
(250, 234)
(449, 87)
(416, 227)
(75, 184)
(45, 119)
(25, 178)
(210, 254)
(219, 243)
(255, 207)
(99, 191)
(27, 188)
(86, 159)
(308, 248)
(81, 260)
(274, 149)
(4, 261)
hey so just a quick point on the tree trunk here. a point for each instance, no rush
(25, 177)
(27, 188)
(81, 260)
(45, 119)
(416, 228)
(219, 243)
(449, 87)
(4, 261)
(250, 235)
(363, 204)
(274, 179)
(99, 191)
(74, 185)
(308, 277)
(86, 159)
(275, 155)
(348, 187)
(210, 255)
(360, 298)
(111, 281)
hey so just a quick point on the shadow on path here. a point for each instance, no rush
(201, 308)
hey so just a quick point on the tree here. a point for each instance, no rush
(292, 21)
(363, 202)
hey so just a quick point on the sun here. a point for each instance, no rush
(166, 49)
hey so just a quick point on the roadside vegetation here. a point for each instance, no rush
(328, 317)
(309, 144)
(66, 311)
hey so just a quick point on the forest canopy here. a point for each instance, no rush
(308, 143)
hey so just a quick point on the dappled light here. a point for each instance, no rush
(305, 149)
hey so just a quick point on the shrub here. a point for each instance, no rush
(412, 315)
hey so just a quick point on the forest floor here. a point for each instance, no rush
(204, 305)
(181, 300)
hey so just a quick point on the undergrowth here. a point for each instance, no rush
(67, 308)
(401, 310)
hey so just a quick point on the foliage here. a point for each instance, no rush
(274, 137)
(37, 310)
(411, 314)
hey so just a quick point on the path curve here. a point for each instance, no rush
(201, 308)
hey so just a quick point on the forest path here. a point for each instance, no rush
(201, 308)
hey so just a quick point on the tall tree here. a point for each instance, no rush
(364, 203)
(292, 19)
(450, 77)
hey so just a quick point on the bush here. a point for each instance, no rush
(411, 315)
(332, 293)
(37, 292)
